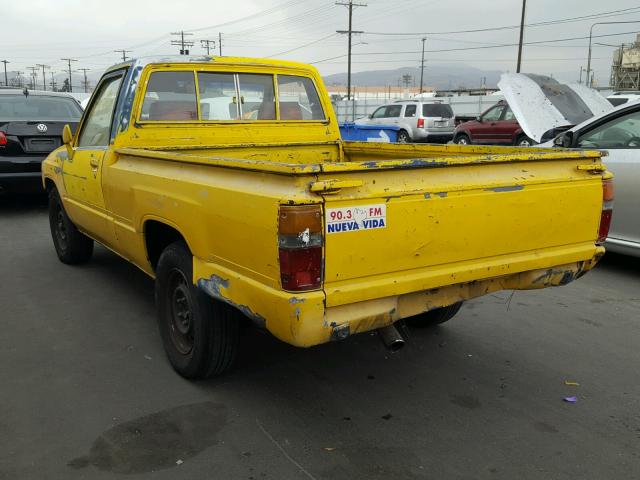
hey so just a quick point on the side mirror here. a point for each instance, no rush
(370, 115)
(564, 140)
(479, 119)
(67, 138)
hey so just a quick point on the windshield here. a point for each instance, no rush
(38, 108)
(436, 110)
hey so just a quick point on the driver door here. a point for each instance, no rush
(82, 172)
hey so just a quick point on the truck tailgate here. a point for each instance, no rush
(397, 226)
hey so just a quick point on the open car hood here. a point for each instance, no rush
(541, 103)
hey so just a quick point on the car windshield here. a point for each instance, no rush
(436, 110)
(38, 108)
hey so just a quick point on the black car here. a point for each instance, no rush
(31, 126)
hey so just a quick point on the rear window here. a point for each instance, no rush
(436, 110)
(38, 108)
(170, 96)
(298, 99)
(617, 101)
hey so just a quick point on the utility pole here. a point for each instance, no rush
(406, 79)
(33, 76)
(424, 39)
(349, 32)
(69, 60)
(86, 83)
(207, 44)
(53, 81)
(124, 54)
(220, 43)
(6, 79)
(184, 44)
(18, 78)
(524, 7)
(44, 78)
(580, 78)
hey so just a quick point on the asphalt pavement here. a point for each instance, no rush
(87, 393)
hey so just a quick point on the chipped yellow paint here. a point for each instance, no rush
(461, 221)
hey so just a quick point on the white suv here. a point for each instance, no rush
(419, 121)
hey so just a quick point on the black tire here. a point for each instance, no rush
(524, 141)
(200, 334)
(462, 139)
(403, 137)
(72, 246)
(434, 317)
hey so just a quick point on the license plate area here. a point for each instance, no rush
(41, 144)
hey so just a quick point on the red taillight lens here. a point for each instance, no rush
(300, 247)
(3, 139)
(421, 123)
(607, 210)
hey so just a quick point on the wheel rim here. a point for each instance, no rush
(61, 229)
(180, 313)
(524, 143)
(402, 137)
(462, 141)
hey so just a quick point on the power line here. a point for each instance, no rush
(511, 27)
(349, 32)
(301, 46)
(182, 42)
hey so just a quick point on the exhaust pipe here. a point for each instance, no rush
(391, 338)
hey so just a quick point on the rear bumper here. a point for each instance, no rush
(432, 136)
(304, 319)
(21, 174)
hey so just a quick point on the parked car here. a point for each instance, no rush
(275, 219)
(496, 126)
(618, 132)
(419, 121)
(31, 124)
(620, 98)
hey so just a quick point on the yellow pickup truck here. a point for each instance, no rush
(227, 181)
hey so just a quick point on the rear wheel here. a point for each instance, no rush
(462, 139)
(434, 317)
(403, 137)
(72, 246)
(200, 334)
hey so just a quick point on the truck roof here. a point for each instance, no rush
(159, 59)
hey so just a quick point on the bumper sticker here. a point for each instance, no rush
(349, 219)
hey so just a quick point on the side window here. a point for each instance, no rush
(493, 114)
(257, 97)
(96, 129)
(218, 97)
(508, 115)
(410, 111)
(622, 132)
(393, 111)
(170, 96)
(379, 112)
(298, 99)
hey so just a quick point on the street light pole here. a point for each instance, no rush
(589, 81)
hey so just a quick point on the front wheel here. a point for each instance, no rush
(72, 246)
(403, 137)
(524, 141)
(434, 317)
(462, 140)
(200, 334)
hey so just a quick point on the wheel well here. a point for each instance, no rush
(49, 185)
(157, 237)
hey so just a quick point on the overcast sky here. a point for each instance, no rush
(44, 31)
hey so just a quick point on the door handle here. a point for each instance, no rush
(94, 163)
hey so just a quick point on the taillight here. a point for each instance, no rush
(607, 209)
(421, 123)
(3, 139)
(300, 247)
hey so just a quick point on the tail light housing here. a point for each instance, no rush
(420, 123)
(3, 139)
(300, 247)
(607, 210)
